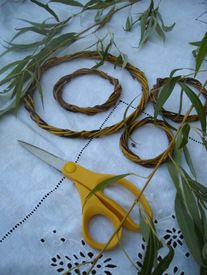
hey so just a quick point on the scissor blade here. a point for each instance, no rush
(47, 157)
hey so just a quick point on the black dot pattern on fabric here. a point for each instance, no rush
(81, 261)
(32, 212)
(57, 185)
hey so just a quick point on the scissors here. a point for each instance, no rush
(98, 204)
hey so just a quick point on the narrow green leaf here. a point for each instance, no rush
(153, 245)
(47, 8)
(143, 23)
(28, 29)
(20, 47)
(68, 2)
(164, 95)
(8, 66)
(196, 103)
(18, 89)
(184, 134)
(148, 31)
(164, 263)
(145, 229)
(160, 31)
(118, 61)
(98, 15)
(164, 27)
(202, 52)
(174, 174)
(196, 43)
(16, 71)
(174, 71)
(188, 229)
(90, 3)
(63, 40)
(189, 161)
(191, 204)
(97, 4)
(124, 59)
(200, 189)
(103, 184)
(149, 257)
(128, 24)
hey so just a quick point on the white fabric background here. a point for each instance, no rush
(35, 203)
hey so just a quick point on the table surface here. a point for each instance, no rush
(40, 211)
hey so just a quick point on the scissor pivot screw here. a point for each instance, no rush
(70, 167)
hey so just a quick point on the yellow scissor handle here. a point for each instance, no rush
(99, 204)
(120, 211)
(93, 208)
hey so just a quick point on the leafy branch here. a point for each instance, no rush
(200, 53)
(24, 71)
(150, 21)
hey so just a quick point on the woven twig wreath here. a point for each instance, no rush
(135, 72)
(58, 90)
(172, 115)
(135, 158)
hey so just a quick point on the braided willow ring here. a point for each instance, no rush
(58, 90)
(135, 158)
(135, 73)
(172, 115)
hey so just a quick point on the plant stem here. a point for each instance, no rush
(143, 189)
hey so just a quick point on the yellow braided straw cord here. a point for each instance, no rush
(58, 90)
(131, 128)
(135, 72)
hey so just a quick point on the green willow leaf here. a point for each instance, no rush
(147, 32)
(143, 23)
(188, 229)
(191, 204)
(68, 2)
(145, 229)
(164, 95)
(103, 184)
(28, 29)
(202, 52)
(62, 40)
(189, 161)
(196, 103)
(196, 43)
(98, 15)
(124, 60)
(174, 174)
(164, 263)
(8, 66)
(184, 134)
(47, 8)
(20, 47)
(16, 71)
(149, 257)
(160, 31)
(128, 24)
(199, 189)
(164, 27)
(19, 89)
(153, 245)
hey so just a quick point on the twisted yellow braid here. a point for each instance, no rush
(135, 158)
(135, 72)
